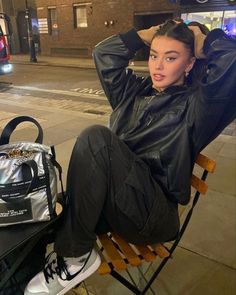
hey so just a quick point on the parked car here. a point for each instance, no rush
(5, 30)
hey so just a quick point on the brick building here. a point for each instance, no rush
(73, 27)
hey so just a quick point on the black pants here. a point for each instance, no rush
(109, 187)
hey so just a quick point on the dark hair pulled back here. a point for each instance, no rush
(179, 32)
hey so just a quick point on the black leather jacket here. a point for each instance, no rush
(168, 129)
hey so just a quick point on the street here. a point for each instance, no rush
(58, 83)
(59, 88)
(53, 95)
(49, 77)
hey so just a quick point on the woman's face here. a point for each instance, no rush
(169, 61)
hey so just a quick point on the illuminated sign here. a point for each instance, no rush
(43, 25)
(206, 2)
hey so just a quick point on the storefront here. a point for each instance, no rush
(212, 13)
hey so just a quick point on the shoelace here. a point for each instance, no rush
(58, 266)
(55, 266)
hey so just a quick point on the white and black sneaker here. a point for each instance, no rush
(62, 274)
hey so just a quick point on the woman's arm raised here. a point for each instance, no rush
(214, 105)
(148, 34)
(111, 58)
(199, 39)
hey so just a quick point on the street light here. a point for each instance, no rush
(29, 32)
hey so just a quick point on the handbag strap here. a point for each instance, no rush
(11, 126)
(32, 165)
(32, 171)
(59, 169)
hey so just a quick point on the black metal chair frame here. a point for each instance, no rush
(132, 286)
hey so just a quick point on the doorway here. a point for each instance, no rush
(23, 32)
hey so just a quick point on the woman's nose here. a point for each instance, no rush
(159, 64)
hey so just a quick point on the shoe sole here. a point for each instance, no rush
(83, 276)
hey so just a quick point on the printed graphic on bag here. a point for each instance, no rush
(21, 210)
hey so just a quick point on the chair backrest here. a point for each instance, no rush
(207, 165)
(198, 182)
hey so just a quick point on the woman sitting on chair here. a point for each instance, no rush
(130, 177)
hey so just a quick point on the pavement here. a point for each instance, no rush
(83, 63)
(205, 260)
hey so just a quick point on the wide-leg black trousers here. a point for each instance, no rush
(109, 187)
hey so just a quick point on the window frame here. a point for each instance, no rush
(52, 21)
(76, 6)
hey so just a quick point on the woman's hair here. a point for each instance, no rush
(204, 29)
(177, 31)
(180, 32)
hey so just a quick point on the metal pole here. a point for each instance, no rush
(29, 32)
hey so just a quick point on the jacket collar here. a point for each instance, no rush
(170, 90)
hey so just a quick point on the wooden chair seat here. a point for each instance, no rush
(120, 253)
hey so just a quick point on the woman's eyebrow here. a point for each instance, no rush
(166, 52)
(153, 50)
(171, 51)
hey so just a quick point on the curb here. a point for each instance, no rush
(42, 63)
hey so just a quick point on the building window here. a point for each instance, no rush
(80, 15)
(52, 21)
(226, 20)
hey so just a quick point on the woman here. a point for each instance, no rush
(131, 177)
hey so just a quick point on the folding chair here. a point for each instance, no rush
(118, 255)
(13, 238)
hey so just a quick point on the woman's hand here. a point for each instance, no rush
(199, 38)
(148, 34)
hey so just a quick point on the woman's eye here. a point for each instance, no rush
(152, 56)
(170, 58)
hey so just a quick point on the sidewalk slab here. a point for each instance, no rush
(223, 179)
(186, 274)
(211, 231)
(63, 154)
